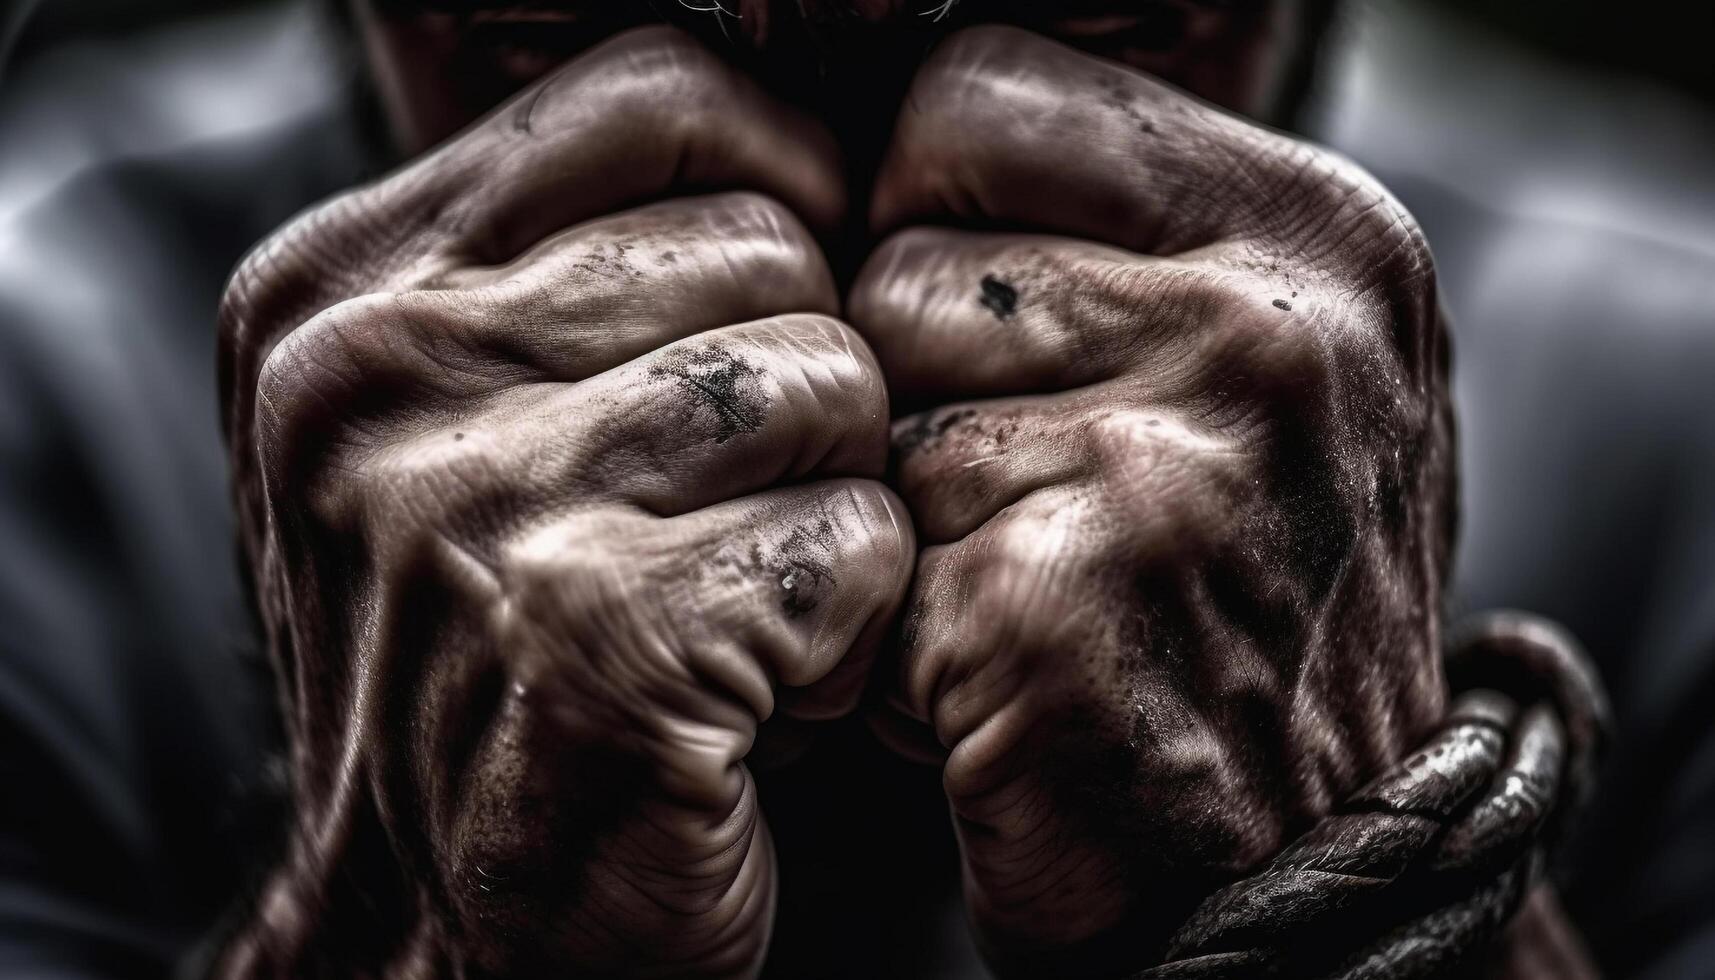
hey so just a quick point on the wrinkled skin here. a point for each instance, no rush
(552, 496)
(1182, 480)
(549, 507)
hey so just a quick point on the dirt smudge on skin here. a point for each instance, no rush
(722, 382)
(610, 260)
(803, 564)
(999, 297)
(928, 428)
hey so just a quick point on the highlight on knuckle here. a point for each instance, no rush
(1265, 351)
(1167, 483)
(1020, 584)
(1359, 228)
(309, 376)
(972, 75)
(574, 565)
(666, 67)
(872, 515)
(765, 245)
(836, 363)
(984, 56)
(584, 607)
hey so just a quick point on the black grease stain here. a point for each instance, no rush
(1281, 304)
(929, 427)
(1000, 297)
(803, 563)
(724, 383)
(458, 437)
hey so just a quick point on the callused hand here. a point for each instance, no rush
(1181, 464)
(547, 504)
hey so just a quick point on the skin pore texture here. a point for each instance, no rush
(1108, 467)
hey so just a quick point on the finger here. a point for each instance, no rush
(796, 588)
(592, 298)
(650, 110)
(1214, 344)
(933, 303)
(958, 466)
(1002, 125)
(1016, 598)
(712, 417)
(974, 314)
(983, 610)
(1133, 443)
(605, 292)
(644, 115)
(679, 633)
(729, 412)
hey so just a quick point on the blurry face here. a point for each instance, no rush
(439, 64)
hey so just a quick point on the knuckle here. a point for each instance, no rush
(334, 251)
(1264, 347)
(335, 433)
(584, 613)
(355, 360)
(972, 75)
(893, 283)
(1370, 205)
(292, 389)
(663, 67)
(569, 596)
(1128, 444)
(1019, 583)
(763, 244)
(1127, 434)
(572, 561)
(932, 650)
(1371, 235)
(976, 62)
(832, 358)
(989, 616)
(436, 482)
(242, 295)
(271, 274)
(306, 381)
(880, 526)
(755, 217)
(250, 304)
(1168, 485)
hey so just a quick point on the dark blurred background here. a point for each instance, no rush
(1559, 153)
(1665, 40)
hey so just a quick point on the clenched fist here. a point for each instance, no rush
(1181, 466)
(549, 506)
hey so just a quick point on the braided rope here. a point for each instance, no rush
(1419, 871)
